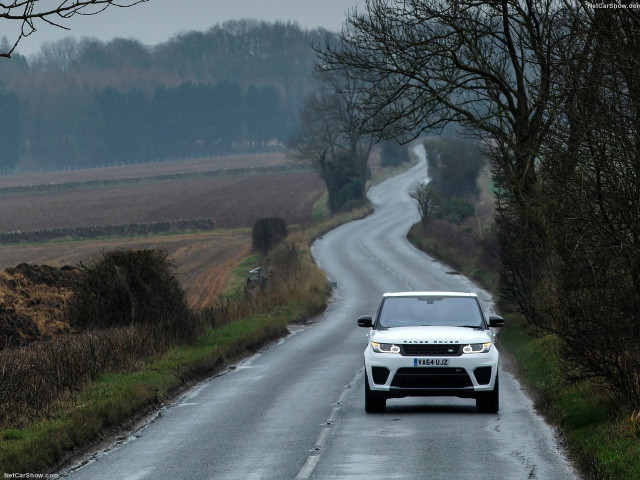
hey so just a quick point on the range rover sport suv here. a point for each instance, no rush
(431, 344)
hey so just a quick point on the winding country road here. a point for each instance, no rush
(296, 409)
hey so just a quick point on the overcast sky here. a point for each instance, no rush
(158, 20)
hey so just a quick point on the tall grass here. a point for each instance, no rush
(36, 379)
(291, 276)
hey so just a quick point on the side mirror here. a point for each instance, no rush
(496, 321)
(366, 321)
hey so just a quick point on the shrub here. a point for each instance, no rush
(458, 209)
(267, 233)
(127, 287)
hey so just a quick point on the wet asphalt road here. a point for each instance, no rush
(296, 409)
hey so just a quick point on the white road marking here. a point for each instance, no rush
(312, 460)
(333, 415)
(322, 438)
(310, 464)
(343, 395)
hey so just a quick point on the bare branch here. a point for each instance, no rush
(29, 11)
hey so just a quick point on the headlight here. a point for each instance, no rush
(385, 347)
(477, 348)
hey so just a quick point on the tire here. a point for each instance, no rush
(373, 403)
(489, 402)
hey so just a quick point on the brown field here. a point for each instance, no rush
(203, 259)
(234, 201)
(148, 169)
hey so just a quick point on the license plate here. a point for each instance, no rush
(428, 362)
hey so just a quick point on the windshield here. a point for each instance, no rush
(430, 311)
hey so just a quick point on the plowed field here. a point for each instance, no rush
(203, 259)
(230, 201)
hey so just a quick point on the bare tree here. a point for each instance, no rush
(58, 56)
(28, 12)
(329, 136)
(486, 65)
(429, 200)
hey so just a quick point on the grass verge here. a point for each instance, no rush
(114, 398)
(454, 256)
(602, 438)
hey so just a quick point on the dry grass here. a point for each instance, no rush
(292, 276)
(36, 379)
(32, 299)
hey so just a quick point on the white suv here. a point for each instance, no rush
(431, 344)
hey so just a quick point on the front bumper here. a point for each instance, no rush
(459, 376)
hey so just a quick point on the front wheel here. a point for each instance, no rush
(489, 402)
(373, 403)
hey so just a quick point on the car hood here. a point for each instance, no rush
(454, 335)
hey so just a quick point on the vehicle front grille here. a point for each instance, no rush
(431, 378)
(425, 349)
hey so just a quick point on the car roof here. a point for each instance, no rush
(430, 294)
